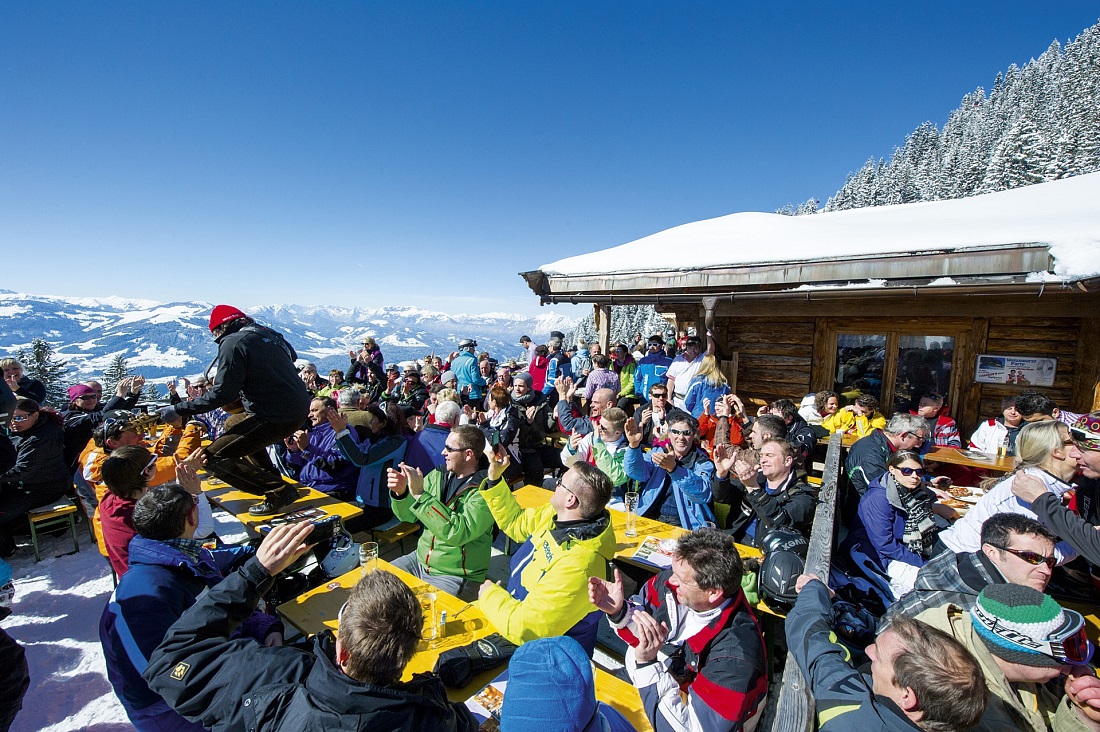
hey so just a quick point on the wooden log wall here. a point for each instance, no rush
(774, 355)
(1052, 337)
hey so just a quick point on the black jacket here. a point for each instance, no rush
(1076, 532)
(14, 678)
(81, 423)
(867, 460)
(532, 432)
(255, 365)
(802, 436)
(31, 389)
(7, 453)
(40, 463)
(233, 685)
(791, 508)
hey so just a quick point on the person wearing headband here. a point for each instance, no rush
(1023, 640)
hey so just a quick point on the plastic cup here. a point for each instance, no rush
(631, 501)
(368, 557)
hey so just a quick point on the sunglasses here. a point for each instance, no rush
(21, 417)
(82, 397)
(448, 448)
(680, 433)
(1084, 439)
(1033, 558)
(658, 396)
(151, 465)
(1068, 644)
(909, 471)
(560, 483)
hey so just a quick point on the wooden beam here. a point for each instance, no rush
(603, 327)
(795, 711)
(1086, 375)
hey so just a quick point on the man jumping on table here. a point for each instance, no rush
(255, 366)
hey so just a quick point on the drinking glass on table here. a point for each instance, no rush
(368, 558)
(631, 501)
(431, 620)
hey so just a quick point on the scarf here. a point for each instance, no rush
(920, 530)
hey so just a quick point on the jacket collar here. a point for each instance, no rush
(702, 639)
(330, 685)
(580, 530)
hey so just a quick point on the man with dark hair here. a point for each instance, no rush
(675, 485)
(352, 684)
(695, 649)
(1035, 406)
(684, 367)
(314, 453)
(867, 458)
(562, 545)
(256, 368)
(920, 676)
(765, 496)
(798, 432)
(454, 548)
(1015, 549)
(766, 427)
(169, 569)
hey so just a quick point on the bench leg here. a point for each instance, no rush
(34, 541)
(72, 528)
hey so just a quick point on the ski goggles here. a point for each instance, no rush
(1069, 644)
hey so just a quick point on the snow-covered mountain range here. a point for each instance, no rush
(161, 340)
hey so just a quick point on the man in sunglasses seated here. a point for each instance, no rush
(1015, 549)
(1079, 531)
(1022, 640)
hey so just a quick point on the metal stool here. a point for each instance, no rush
(48, 517)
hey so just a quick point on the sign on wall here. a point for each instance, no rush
(1016, 370)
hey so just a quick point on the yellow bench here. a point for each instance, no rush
(48, 517)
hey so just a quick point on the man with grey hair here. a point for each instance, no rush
(349, 401)
(867, 458)
(425, 448)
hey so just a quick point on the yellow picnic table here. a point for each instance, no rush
(237, 502)
(318, 609)
(971, 459)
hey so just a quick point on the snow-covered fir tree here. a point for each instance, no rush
(626, 320)
(114, 373)
(1038, 123)
(41, 363)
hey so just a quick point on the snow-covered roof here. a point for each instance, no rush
(1063, 216)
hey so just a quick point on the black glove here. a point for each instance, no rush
(458, 666)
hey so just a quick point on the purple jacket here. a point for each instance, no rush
(322, 464)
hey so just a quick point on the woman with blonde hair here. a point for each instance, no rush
(709, 383)
(1042, 451)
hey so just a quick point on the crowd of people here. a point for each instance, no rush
(957, 616)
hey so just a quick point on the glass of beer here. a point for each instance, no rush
(631, 501)
(368, 557)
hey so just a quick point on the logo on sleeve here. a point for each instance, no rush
(180, 671)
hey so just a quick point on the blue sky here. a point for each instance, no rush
(413, 153)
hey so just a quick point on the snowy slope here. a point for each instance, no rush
(169, 339)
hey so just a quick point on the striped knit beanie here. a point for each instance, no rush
(1019, 612)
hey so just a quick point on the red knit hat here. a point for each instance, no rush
(222, 314)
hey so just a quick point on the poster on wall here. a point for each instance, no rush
(1016, 370)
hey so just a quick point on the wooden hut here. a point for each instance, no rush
(978, 298)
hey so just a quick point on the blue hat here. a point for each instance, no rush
(549, 689)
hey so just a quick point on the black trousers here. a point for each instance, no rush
(239, 456)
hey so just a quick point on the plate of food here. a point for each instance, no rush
(955, 503)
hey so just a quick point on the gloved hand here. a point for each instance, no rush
(458, 666)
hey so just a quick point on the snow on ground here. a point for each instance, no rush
(55, 616)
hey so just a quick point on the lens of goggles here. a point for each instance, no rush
(1074, 645)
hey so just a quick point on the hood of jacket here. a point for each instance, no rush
(596, 533)
(157, 553)
(424, 697)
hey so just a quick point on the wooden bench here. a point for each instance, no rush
(48, 517)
